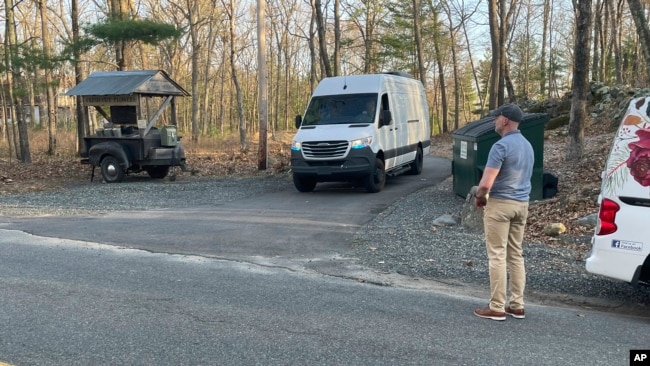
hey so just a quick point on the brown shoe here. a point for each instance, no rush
(487, 313)
(515, 313)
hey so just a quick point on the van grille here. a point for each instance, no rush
(324, 149)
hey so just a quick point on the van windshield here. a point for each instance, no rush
(341, 109)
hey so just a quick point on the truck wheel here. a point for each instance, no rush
(416, 165)
(157, 171)
(375, 181)
(304, 184)
(111, 170)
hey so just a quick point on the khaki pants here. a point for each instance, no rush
(504, 222)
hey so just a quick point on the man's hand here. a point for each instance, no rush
(481, 201)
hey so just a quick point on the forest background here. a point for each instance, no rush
(250, 66)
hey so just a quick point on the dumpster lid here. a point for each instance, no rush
(475, 129)
(485, 125)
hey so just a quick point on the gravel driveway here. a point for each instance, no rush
(401, 239)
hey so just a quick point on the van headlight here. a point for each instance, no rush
(296, 145)
(361, 143)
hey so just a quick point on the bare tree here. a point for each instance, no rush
(495, 39)
(437, 41)
(49, 88)
(641, 23)
(596, 73)
(82, 118)
(454, 64)
(15, 80)
(545, 27)
(337, 38)
(418, 42)
(579, 113)
(367, 18)
(615, 10)
(120, 11)
(477, 84)
(191, 12)
(500, 13)
(322, 40)
(231, 11)
(262, 152)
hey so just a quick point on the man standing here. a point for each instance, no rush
(504, 191)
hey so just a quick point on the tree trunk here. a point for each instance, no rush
(192, 19)
(9, 130)
(598, 24)
(80, 111)
(579, 101)
(542, 66)
(15, 81)
(495, 40)
(641, 24)
(243, 144)
(322, 41)
(262, 77)
(477, 83)
(119, 11)
(503, 35)
(454, 66)
(441, 76)
(418, 42)
(313, 74)
(615, 40)
(337, 38)
(49, 89)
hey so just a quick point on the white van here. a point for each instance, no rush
(621, 244)
(361, 128)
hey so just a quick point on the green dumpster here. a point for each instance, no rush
(472, 144)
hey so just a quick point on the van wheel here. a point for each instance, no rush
(111, 170)
(157, 171)
(375, 182)
(304, 184)
(416, 165)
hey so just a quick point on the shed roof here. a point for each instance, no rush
(146, 82)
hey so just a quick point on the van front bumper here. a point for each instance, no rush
(357, 164)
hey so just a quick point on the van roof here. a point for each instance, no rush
(366, 83)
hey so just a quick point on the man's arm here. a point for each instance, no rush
(484, 186)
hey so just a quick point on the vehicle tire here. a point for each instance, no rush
(304, 184)
(157, 171)
(416, 165)
(375, 181)
(112, 171)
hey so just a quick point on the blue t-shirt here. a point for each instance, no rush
(514, 157)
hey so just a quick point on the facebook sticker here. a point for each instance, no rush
(627, 245)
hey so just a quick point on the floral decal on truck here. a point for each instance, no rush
(639, 160)
(630, 155)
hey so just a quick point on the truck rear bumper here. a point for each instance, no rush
(612, 263)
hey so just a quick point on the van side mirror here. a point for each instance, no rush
(386, 118)
(298, 121)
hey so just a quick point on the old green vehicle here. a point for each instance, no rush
(129, 141)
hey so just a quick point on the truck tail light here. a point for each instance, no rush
(607, 217)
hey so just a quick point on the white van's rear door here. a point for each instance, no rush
(621, 243)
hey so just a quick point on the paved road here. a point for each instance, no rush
(76, 303)
(287, 228)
